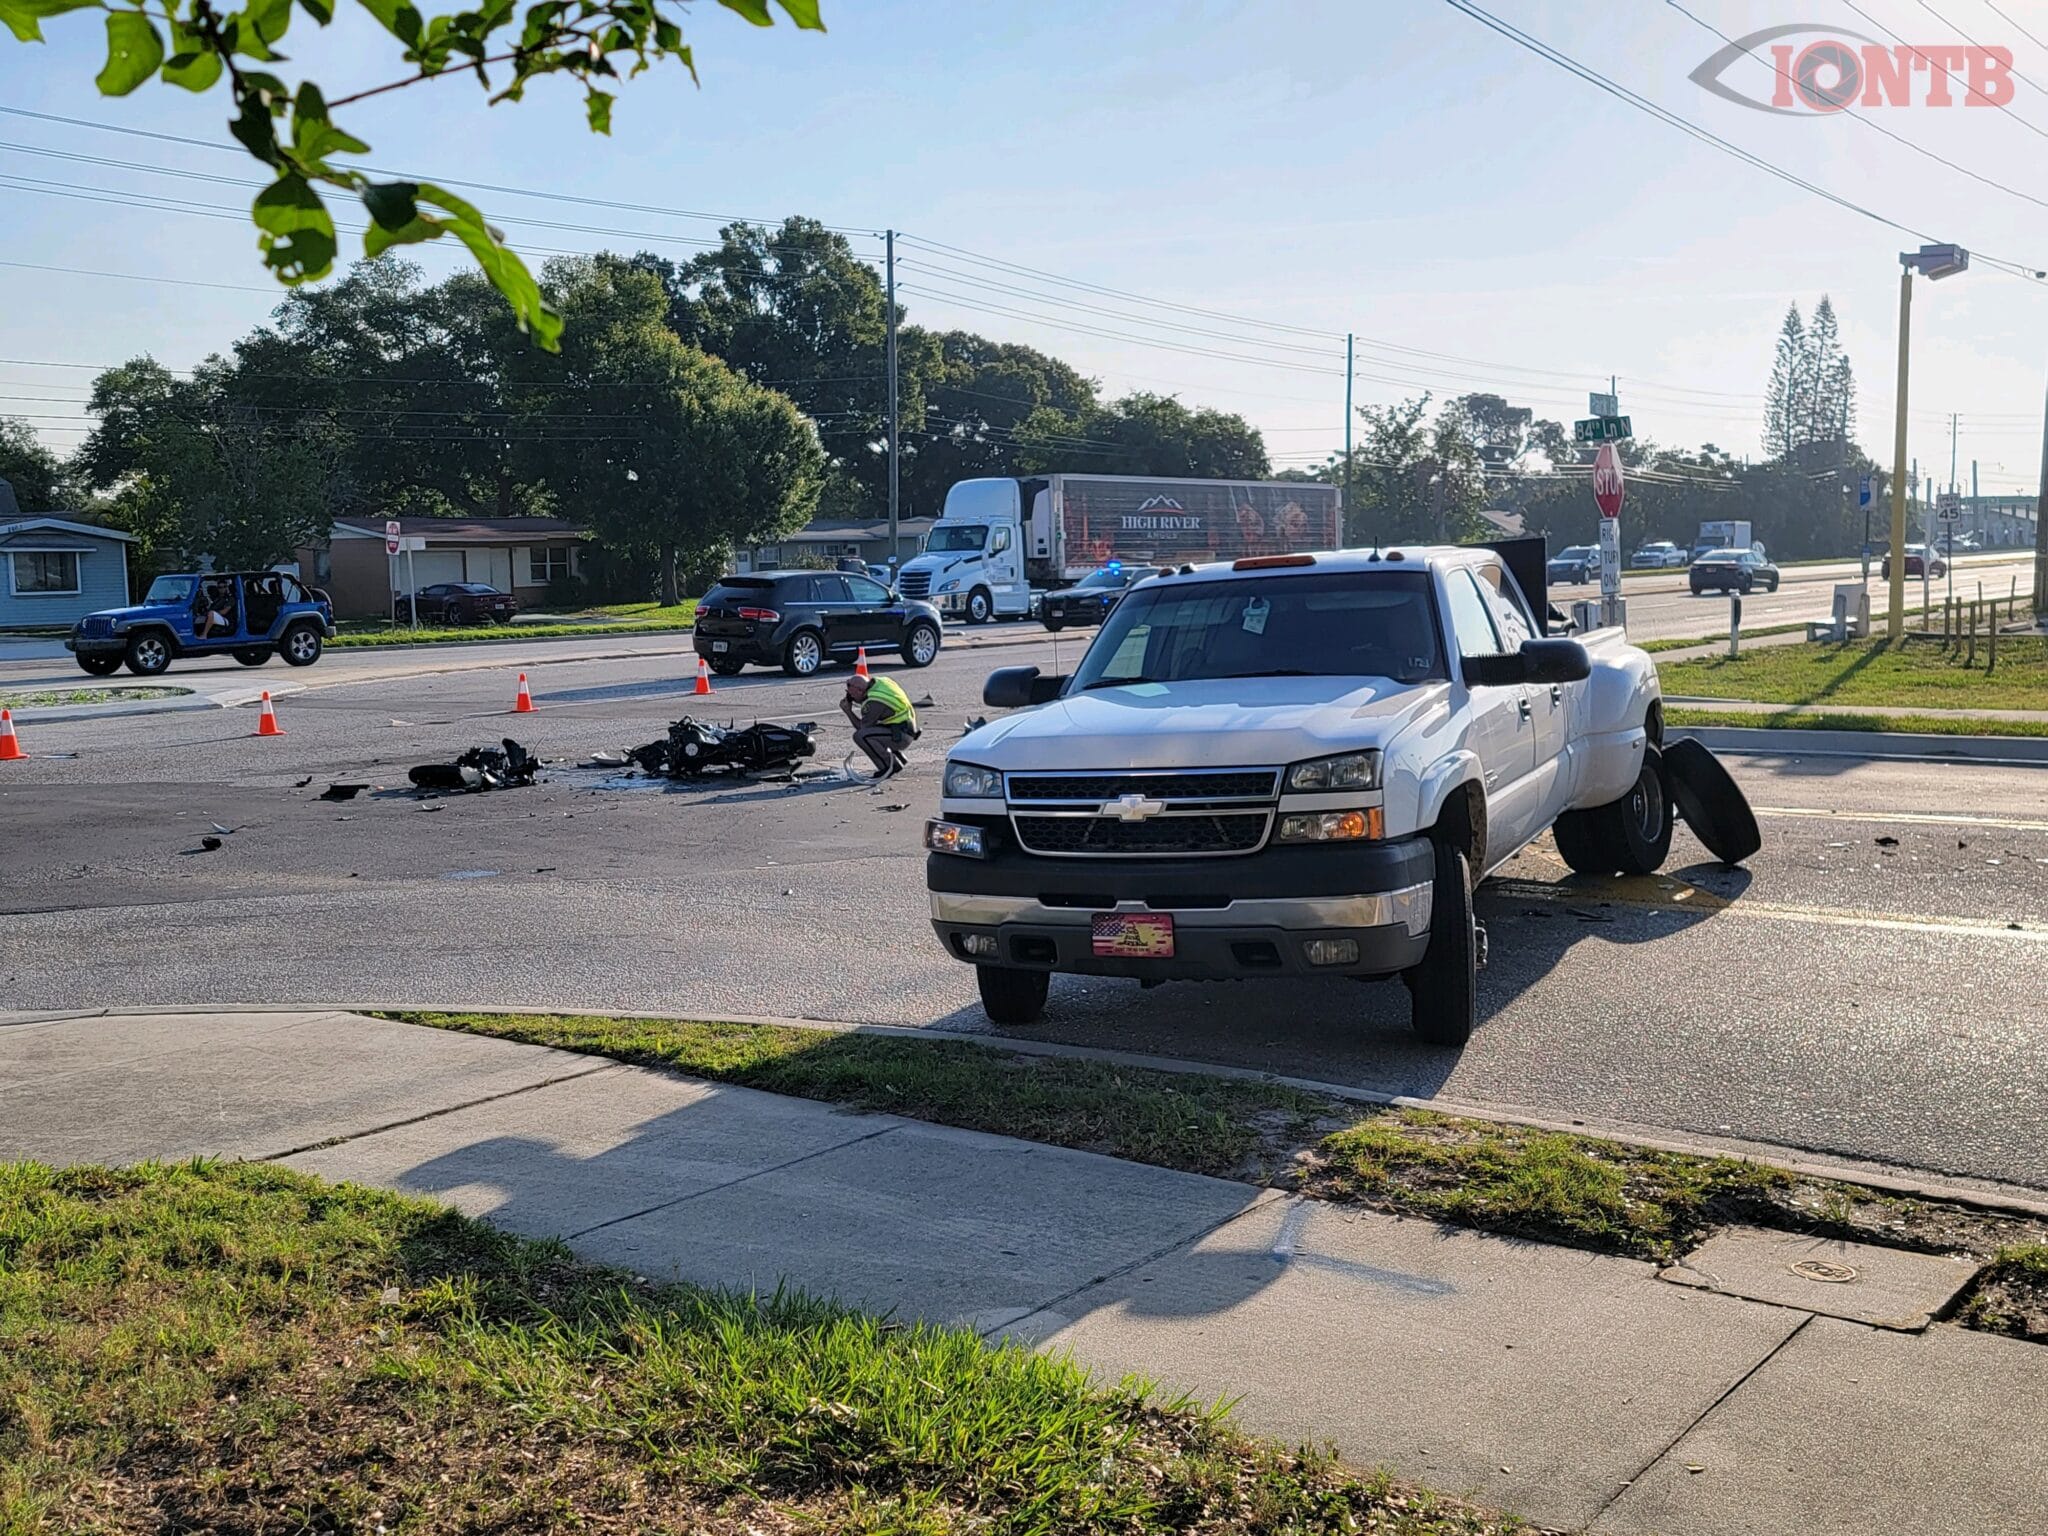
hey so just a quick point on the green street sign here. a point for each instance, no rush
(1602, 429)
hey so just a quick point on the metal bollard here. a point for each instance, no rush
(1734, 625)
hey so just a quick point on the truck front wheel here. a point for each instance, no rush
(1630, 836)
(980, 606)
(1443, 987)
(99, 663)
(1010, 995)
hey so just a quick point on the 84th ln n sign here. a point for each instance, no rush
(1602, 429)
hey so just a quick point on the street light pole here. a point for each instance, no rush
(2040, 522)
(1895, 606)
(1345, 494)
(895, 443)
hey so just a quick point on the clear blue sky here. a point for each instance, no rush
(1384, 166)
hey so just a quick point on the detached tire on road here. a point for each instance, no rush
(100, 664)
(1011, 995)
(1711, 802)
(1629, 836)
(1443, 987)
(921, 644)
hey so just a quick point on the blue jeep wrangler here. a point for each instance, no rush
(249, 615)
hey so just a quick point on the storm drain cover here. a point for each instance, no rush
(1822, 1270)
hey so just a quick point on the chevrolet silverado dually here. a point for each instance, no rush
(1302, 765)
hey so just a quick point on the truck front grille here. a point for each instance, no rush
(915, 584)
(1244, 784)
(1194, 833)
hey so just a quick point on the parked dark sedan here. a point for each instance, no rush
(1918, 563)
(1732, 570)
(1089, 600)
(465, 602)
(799, 620)
(1576, 564)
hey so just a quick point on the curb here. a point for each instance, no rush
(2001, 751)
(1985, 1194)
(192, 700)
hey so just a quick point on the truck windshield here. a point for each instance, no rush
(960, 537)
(169, 589)
(1338, 625)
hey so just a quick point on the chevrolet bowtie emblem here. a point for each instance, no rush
(1133, 808)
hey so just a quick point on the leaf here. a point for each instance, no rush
(393, 204)
(804, 13)
(599, 106)
(21, 16)
(133, 53)
(755, 11)
(314, 136)
(506, 272)
(401, 20)
(298, 232)
(193, 64)
(255, 129)
(321, 11)
(265, 21)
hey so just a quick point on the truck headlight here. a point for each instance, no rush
(964, 781)
(1353, 770)
(954, 838)
(950, 586)
(1368, 823)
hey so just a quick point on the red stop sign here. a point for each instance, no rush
(1607, 481)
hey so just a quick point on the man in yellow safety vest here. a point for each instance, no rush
(884, 722)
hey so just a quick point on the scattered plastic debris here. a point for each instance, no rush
(342, 791)
(210, 844)
(504, 766)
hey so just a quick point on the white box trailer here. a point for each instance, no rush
(997, 539)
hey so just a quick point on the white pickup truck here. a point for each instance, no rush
(1301, 765)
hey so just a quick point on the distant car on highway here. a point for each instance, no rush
(1089, 600)
(249, 615)
(466, 602)
(1660, 556)
(1733, 570)
(799, 620)
(1918, 562)
(1576, 564)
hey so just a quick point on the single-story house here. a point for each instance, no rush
(54, 571)
(520, 555)
(825, 541)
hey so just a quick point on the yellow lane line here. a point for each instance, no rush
(1908, 818)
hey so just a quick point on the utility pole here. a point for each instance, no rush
(1346, 492)
(1952, 418)
(1895, 596)
(895, 543)
(2041, 522)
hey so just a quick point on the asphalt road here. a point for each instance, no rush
(1874, 999)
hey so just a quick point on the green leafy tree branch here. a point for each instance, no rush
(198, 44)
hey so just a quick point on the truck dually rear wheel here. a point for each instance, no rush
(1629, 836)
(1012, 995)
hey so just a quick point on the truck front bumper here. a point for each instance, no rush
(96, 645)
(1040, 912)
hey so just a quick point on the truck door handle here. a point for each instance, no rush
(1523, 706)
(1556, 694)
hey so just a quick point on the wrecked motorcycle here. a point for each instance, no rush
(499, 767)
(692, 746)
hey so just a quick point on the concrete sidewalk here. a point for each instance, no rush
(1582, 1391)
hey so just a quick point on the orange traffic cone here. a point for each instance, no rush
(525, 704)
(860, 663)
(703, 679)
(267, 725)
(10, 744)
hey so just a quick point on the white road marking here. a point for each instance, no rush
(1908, 818)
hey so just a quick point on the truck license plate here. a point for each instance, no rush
(1134, 936)
(718, 646)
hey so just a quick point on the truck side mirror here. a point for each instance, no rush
(1538, 661)
(1020, 688)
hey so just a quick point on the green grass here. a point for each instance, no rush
(2011, 1295)
(1837, 720)
(1202, 1124)
(1918, 673)
(647, 610)
(52, 698)
(209, 1347)
(1580, 1191)
(1653, 646)
(374, 632)
(1541, 1184)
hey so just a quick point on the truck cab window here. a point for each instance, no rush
(1471, 624)
(1510, 609)
(1000, 542)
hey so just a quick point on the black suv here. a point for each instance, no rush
(1737, 569)
(1089, 600)
(799, 620)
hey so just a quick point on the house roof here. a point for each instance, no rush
(63, 525)
(836, 533)
(468, 530)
